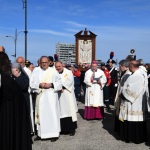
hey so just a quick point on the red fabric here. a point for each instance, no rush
(91, 113)
(91, 79)
(108, 77)
(94, 62)
(77, 73)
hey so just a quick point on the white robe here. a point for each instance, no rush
(119, 90)
(131, 108)
(144, 71)
(48, 105)
(36, 68)
(68, 104)
(28, 71)
(94, 93)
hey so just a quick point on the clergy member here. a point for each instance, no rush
(67, 101)
(125, 73)
(132, 112)
(47, 82)
(21, 61)
(95, 80)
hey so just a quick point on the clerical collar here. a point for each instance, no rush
(123, 72)
(61, 72)
(94, 70)
(43, 69)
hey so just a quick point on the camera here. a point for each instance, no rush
(132, 51)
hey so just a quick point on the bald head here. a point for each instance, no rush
(94, 66)
(59, 66)
(21, 61)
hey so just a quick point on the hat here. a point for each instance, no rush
(103, 64)
(94, 62)
(16, 65)
(75, 66)
(111, 61)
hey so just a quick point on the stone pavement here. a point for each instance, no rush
(90, 135)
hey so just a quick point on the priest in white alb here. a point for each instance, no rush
(95, 80)
(125, 73)
(133, 107)
(47, 82)
(67, 101)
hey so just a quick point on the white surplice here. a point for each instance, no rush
(49, 115)
(119, 90)
(27, 71)
(68, 104)
(134, 92)
(94, 92)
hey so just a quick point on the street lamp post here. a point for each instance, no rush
(25, 8)
(15, 41)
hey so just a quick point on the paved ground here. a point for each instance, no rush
(90, 135)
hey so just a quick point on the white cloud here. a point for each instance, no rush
(49, 32)
(75, 24)
(72, 30)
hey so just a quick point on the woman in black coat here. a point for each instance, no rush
(22, 80)
(14, 120)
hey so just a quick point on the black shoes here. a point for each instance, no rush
(107, 107)
(54, 139)
(37, 138)
(72, 133)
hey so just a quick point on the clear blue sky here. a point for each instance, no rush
(120, 25)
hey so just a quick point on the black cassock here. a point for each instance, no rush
(14, 117)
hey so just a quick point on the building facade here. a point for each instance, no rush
(66, 53)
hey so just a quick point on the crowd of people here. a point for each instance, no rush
(42, 100)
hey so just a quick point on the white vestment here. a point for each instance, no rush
(28, 71)
(134, 92)
(144, 71)
(68, 104)
(94, 92)
(36, 68)
(119, 90)
(49, 115)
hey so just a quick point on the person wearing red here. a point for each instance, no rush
(77, 73)
(106, 87)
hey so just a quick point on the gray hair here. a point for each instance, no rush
(140, 62)
(124, 63)
(16, 65)
(43, 57)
